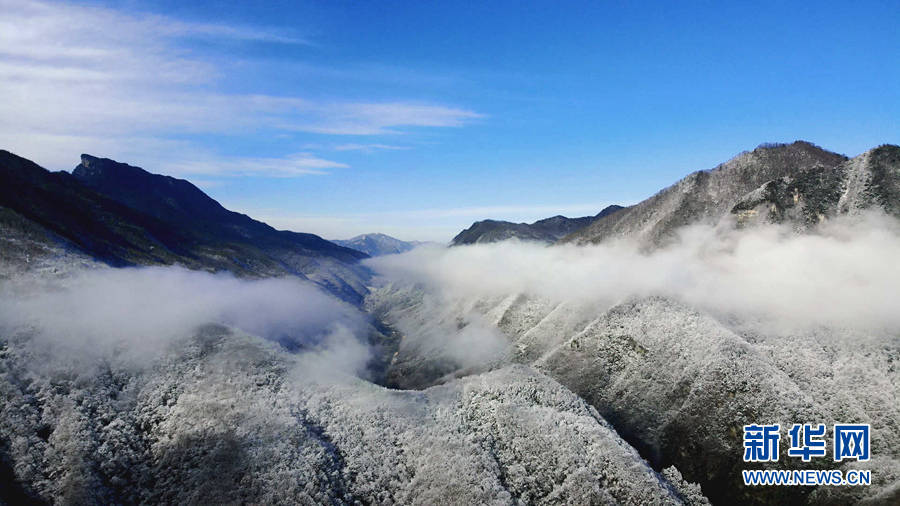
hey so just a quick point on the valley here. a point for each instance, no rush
(156, 347)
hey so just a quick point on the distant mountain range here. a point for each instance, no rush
(124, 215)
(378, 244)
(548, 230)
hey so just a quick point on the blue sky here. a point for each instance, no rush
(417, 118)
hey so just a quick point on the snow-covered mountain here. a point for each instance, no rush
(615, 367)
(547, 230)
(217, 415)
(800, 183)
(677, 381)
(377, 244)
(692, 317)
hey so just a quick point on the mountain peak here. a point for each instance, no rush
(797, 150)
(87, 166)
(94, 168)
(376, 244)
(608, 210)
(799, 143)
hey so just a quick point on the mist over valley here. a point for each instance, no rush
(234, 367)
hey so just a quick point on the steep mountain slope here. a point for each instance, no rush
(123, 215)
(377, 244)
(675, 382)
(96, 224)
(708, 196)
(548, 230)
(786, 317)
(27, 247)
(665, 374)
(805, 198)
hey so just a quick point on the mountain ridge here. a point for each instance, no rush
(178, 200)
(547, 230)
(800, 183)
(123, 215)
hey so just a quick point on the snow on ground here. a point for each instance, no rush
(225, 417)
(137, 400)
(678, 350)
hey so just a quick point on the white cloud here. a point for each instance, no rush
(843, 276)
(384, 118)
(133, 315)
(293, 165)
(369, 148)
(112, 78)
(177, 158)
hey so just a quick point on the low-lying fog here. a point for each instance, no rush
(844, 275)
(134, 314)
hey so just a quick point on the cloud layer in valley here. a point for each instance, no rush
(133, 315)
(843, 276)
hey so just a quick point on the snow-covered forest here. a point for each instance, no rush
(499, 373)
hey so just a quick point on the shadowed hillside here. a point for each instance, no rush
(124, 215)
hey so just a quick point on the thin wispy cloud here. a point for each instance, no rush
(385, 118)
(122, 79)
(174, 157)
(369, 148)
(68, 21)
(293, 165)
